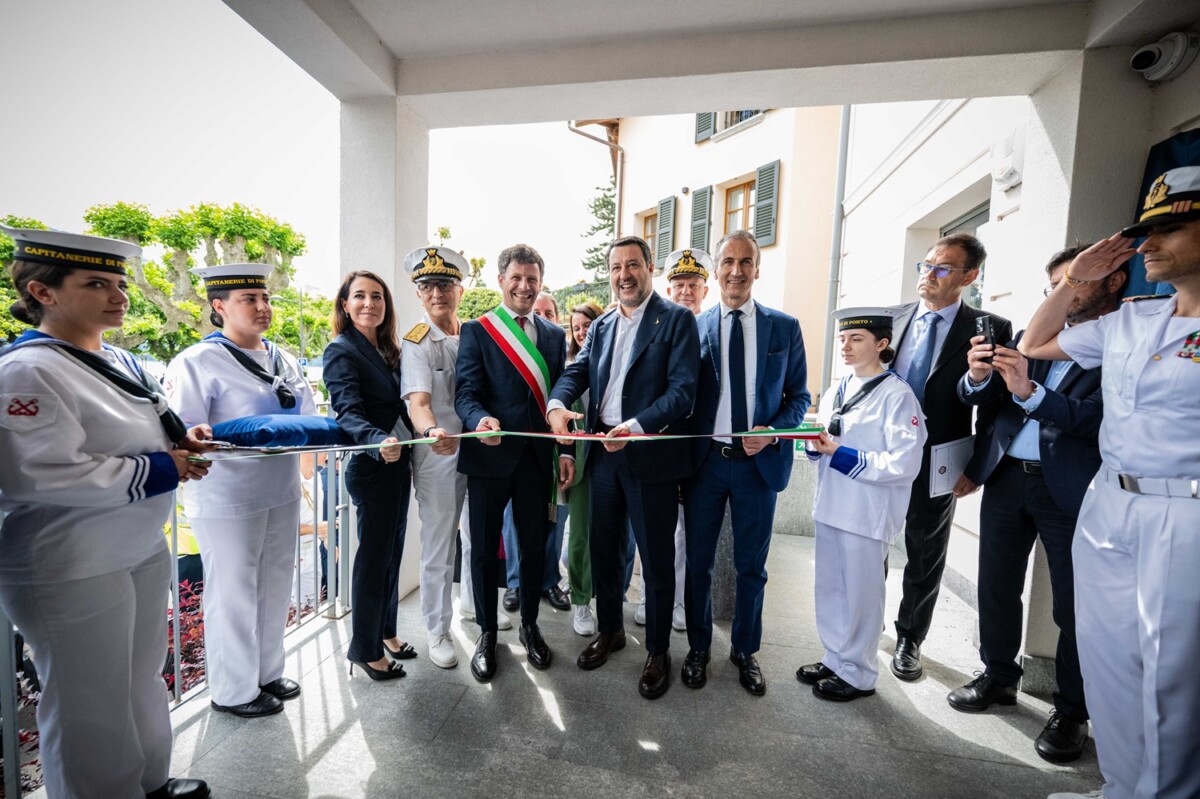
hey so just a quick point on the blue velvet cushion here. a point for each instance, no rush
(281, 430)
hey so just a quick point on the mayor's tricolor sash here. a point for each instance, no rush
(520, 351)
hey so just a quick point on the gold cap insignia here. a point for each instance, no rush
(1158, 192)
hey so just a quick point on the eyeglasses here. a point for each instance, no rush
(430, 286)
(938, 270)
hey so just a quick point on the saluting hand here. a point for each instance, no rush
(1101, 259)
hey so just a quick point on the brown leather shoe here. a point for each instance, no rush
(596, 653)
(656, 677)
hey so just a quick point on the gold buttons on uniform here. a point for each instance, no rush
(1158, 357)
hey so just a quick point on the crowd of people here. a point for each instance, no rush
(1081, 430)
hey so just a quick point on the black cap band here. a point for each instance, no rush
(66, 256)
(213, 285)
(858, 322)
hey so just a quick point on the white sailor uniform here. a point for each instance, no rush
(84, 569)
(428, 355)
(861, 499)
(245, 515)
(1137, 551)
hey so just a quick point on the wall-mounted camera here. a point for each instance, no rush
(1167, 58)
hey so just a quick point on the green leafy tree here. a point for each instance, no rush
(604, 210)
(10, 328)
(477, 301)
(442, 234)
(476, 276)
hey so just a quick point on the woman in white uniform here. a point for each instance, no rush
(246, 516)
(86, 482)
(868, 457)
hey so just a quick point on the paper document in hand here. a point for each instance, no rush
(946, 464)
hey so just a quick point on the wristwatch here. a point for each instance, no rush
(427, 431)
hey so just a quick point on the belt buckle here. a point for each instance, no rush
(1129, 483)
(725, 451)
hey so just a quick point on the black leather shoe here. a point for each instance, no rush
(749, 674)
(695, 669)
(483, 662)
(263, 705)
(1063, 739)
(283, 688)
(536, 650)
(404, 652)
(595, 654)
(656, 676)
(813, 673)
(835, 689)
(558, 598)
(981, 693)
(906, 662)
(512, 599)
(181, 789)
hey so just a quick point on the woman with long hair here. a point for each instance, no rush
(362, 373)
(92, 454)
(579, 561)
(246, 518)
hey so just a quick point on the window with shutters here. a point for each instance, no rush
(739, 207)
(650, 229)
(712, 124)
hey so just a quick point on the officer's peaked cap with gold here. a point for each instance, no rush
(683, 263)
(232, 277)
(435, 263)
(59, 248)
(1173, 197)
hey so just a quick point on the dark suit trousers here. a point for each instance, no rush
(926, 536)
(653, 510)
(528, 488)
(1016, 509)
(381, 493)
(752, 510)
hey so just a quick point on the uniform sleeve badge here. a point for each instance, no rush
(27, 411)
(419, 331)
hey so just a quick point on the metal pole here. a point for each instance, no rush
(316, 542)
(176, 610)
(9, 731)
(835, 248)
(303, 352)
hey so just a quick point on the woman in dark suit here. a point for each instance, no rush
(362, 373)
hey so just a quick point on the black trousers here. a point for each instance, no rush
(617, 496)
(1017, 508)
(528, 488)
(380, 492)
(926, 536)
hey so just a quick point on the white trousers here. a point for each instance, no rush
(248, 565)
(680, 562)
(440, 491)
(1137, 623)
(850, 593)
(99, 645)
(466, 589)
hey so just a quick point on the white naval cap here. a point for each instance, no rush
(688, 262)
(436, 263)
(59, 248)
(231, 277)
(866, 316)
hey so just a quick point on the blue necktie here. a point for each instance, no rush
(737, 377)
(922, 362)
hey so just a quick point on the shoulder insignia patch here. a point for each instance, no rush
(1140, 297)
(419, 331)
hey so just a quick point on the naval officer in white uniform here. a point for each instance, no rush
(86, 480)
(1137, 543)
(246, 517)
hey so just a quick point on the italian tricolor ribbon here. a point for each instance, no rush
(520, 351)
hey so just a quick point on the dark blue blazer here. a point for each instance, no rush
(782, 395)
(363, 390)
(1069, 416)
(487, 384)
(659, 389)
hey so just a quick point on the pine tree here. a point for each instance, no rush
(604, 209)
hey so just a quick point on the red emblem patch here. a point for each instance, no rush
(19, 408)
(914, 421)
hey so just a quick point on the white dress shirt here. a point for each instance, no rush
(627, 328)
(724, 421)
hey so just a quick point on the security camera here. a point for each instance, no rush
(1167, 58)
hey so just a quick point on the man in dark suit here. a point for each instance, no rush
(639, 365)
(1041, 453)
(753, 376)
(507, 361)
(932, 339)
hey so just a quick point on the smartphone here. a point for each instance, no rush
(983, 327)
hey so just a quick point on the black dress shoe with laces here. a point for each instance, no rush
(558, 598)
(656, 676)
(695, 668)
(835, 689)
(749, 673)
(596, 653)
(813, 673)
(283, 688)
(263, 705)
(1063, 739)
(536, 650)
(181, 789)
(981, 693)
(906, 662)
(512, 599)
(483, 662)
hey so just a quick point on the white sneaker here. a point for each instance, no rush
(503, 622)
(441, 652)
(1068, 795)
(584, 622)
(639, 615)
(679, 618)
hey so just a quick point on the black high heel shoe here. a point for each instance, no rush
(394, 671)
(405, 652)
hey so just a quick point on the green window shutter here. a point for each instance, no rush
(665, 236)
(706, 126)
(701, 217)
(766, 203)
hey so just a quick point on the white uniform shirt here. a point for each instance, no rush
(428, 366)
(883, 438)
(205, 386)
(1150, 425)
(610, 403)
(75, 475)
(750, 347)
